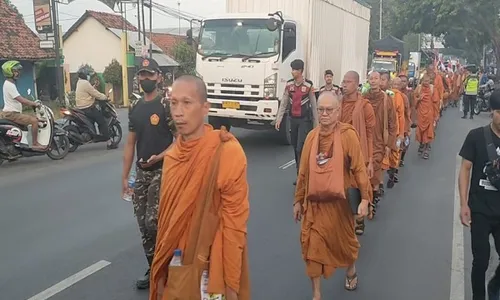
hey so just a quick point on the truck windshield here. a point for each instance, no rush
(238, 37)
(384, 65)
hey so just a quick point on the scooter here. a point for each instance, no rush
(483, 101)
(82, 130)
(16, 140)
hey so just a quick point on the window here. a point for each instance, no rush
(289, 39)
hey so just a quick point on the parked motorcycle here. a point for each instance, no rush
(483, 101)
(82, 130)
(16, 140)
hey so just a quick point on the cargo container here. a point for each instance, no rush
(244, 56)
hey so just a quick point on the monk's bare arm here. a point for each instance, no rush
(285, 100)
(314, 107)
(370, 125)
(401, 116)
(464, 181)
(128, 154)
(392, 124)
(235, 212)
(357, 161)
(300, 189)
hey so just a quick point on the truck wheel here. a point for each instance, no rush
(284, 133)
(217, 123)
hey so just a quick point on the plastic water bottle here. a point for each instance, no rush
(131, 185)
(177, 259)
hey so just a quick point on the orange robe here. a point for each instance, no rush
(384, 135)
(425, 114)
(391, 160)
(408, 119)
(359, 113)
(448, 91)
(185, 172)
(438, 95)
(327, 235)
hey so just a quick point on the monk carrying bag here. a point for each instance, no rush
(184, 282)
(492, 168)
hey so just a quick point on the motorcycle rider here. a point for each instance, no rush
(13, 102)
(85, 95)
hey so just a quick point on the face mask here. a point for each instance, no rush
(148, 85)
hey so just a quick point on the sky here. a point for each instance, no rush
(69, 14)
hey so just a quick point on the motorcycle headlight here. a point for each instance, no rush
(270, 86)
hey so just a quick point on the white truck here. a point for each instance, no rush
(414, 65)
(244, 56)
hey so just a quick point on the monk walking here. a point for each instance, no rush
(426, 104)
(332, 162)
(358, 112)
(204, 206)
(391, 159)
(438, 88)
(384, 133)
(403, 88)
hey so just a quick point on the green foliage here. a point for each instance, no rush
(113, 73)
(19, 15)
(185, 55)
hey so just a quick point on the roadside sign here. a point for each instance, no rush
(138, 48)
(48, 44)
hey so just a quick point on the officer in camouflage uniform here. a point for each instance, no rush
(151, 133)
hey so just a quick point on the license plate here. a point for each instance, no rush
(230, 105)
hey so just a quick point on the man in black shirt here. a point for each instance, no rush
(480, 201)
(151, 132)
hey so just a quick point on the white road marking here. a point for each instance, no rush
(66, 283)
(287, 165)
(457, 285)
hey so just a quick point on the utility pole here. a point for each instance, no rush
(139, 20)
(57, 42)
(124, 40)
(150, 29)
(179, 11)
(380, 21)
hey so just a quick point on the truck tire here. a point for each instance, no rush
(218, 122)
(284, 132)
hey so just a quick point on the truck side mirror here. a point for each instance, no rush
(272, 24)
(189, 35)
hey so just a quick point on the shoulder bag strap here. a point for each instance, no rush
(490, 147)
(205, 205)
(386, 121)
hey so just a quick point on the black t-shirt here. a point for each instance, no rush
(481, 200)
(149, 121)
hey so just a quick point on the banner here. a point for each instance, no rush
(43, 16)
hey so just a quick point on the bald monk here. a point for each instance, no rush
(332, 161)
(426, 104)
(403, 88)
(438, 88)
(358, 112)
(384, 134)
(391, 160)
(187, 171)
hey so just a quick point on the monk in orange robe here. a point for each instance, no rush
(187, 219)
(384, 134)
(403, 88)
(438, 87)
(391, 160)
(455, 95)
(358, 112)
(332, 162)
(426, 104)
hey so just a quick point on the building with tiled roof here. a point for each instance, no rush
(167, 41)
(18, 42)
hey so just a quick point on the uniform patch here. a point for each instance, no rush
(154, 119)
(304, 89)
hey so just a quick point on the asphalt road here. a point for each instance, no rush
(58, 218)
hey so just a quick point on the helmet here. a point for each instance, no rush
(9, 67)
(84, 72)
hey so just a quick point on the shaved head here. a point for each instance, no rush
(350, 83)
(396, 83)
(328, 98)
(195, 83)
(328, 109)
(385, 75)
(353, 75)
(374, 81)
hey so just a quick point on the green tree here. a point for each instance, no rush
(113, 75)
(185, 55)
(14, 8)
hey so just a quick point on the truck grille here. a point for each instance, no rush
(242, 92)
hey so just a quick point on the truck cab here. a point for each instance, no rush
(386, 61)
(244, 60)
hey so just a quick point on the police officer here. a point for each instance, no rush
(151, 133)
(480, 198)
(329, 85)
(299, 104)
(471, 89)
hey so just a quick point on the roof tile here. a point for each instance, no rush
(17, 41)
(166, 41)
(110, 20)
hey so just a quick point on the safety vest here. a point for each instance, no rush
(471, 85)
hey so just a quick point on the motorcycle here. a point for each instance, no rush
(82, 130)
(483, 101)
(16, 140)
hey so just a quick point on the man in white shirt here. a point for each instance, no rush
(13, 102)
